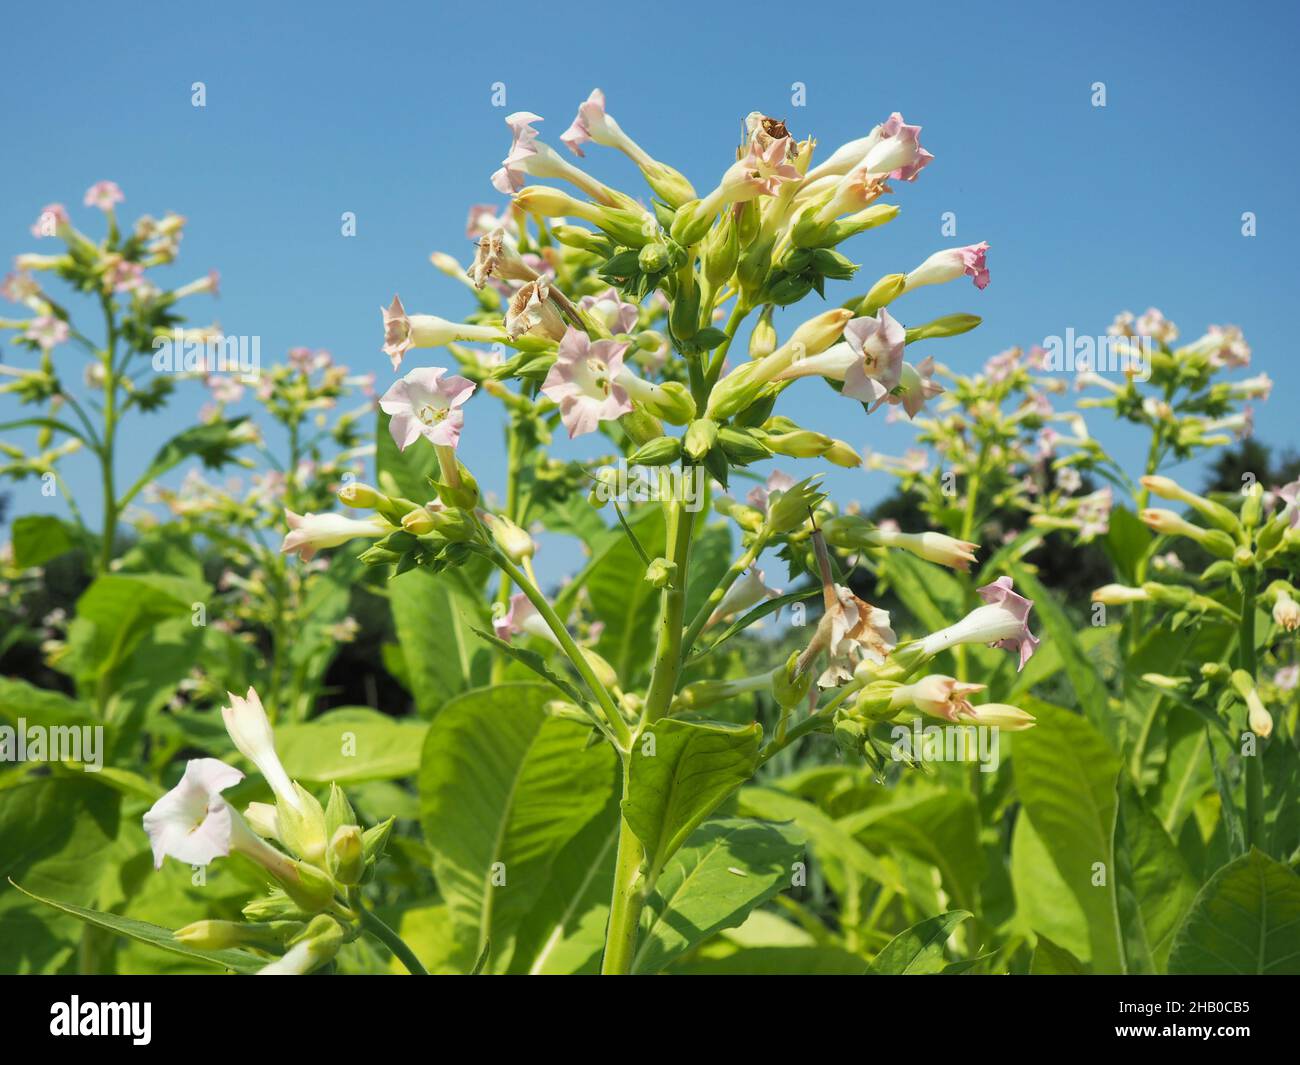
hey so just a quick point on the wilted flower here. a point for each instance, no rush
(852, 631)
(1286, 612)
(496, 257)
(532, 311)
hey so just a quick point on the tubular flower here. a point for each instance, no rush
(522, 617)
(403, 332)
(1002, 622)
(104, 194)
(932, 546)
(585, 382)
(309, 532)
(427, 403)
(916, 387)
(869, 360)
(250, 731)
(1119, 594)
(194, 824)
(898, 152)
(745, 594)
(1000, 715)
(936, 695)
(944, 266)
(528, 156)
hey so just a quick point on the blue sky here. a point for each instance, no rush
(386, 111)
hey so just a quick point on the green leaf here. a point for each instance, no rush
(627, 607)
(238, 961)
(1127, 542)
(766, 607)
(409, 470)
(435, 615)
(1057, 627)
(1044, 902)
(504, 787)
(350, 745)
(1051, 959)
(727, 867)
(1246, 920)
(932, 595)
(1065, 774)
(37, 538)
(565, 933)
(919, 949)
(679, 772)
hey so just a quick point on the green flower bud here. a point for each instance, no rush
(458, 526)
(789, 686)
(641, 426)
(800, 444)
(881, 294)
(661, 573)
(747, 518)
(361, 496)
(788, 289)
(653, 258)
(302, 827)
(604, 488)
(672, 401)
(274, 906)
(668, 184)
(463, 496)
(418, 522)
(223, 935)
(762, 340)
(850, 736)
(375, 839)
(514, 542)
(338, 811)
(832, 264)
(1252, 506)
(721, 251)
(692, 222)
(684, 315)
(950, 325)
(734, 392)
(658, 452)
(701, 435)
(581, 238)
(842, 453)
(742, 446)
(310, 888)
(346, 855)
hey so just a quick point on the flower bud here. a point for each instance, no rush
(658, 452)
(789, 686)
(692, 222)
(604, 487)
(950, 325)
(580, 237)
(666, 183)
(302, 825)
(747, 518)
(700, 437)
(653, 258)
(418, 521)
(346, 855)
(1285, 611)
(800, 444)
(842, 453)
(721, 251)
(515, 543)
(361, 496)
(661, 573)
(315, 946)
(311, 889)
(1000, 715)
(375, 839)
(1118, 594)
(338, 811)
(671, 401)
(881, 294)
(791, 508)
(224, 935)
(742, 446)
(762, 339)
(1216, 513)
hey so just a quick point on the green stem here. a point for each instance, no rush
(729, 578)
(1246, 660)
(393, 942)
(106, 451)
(738, 313)
(614, 718)
(629, 895)
(811, 723)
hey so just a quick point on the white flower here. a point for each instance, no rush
(250, 731)
(309, 532)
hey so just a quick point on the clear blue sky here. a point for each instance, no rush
(386, 111)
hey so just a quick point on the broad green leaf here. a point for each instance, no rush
(435, 615)
(919, 949)
(1246, 920)
(940, 829)
(932, 595)
(1044, 901)
(535, 662)
(679, 772)
(1127, 542)
(565, 933)
(726, 868)
(774, 961)
(349, 745)
(1065, 774)
(37, 706)
(832, 841)
(503, 788)
(1051, 959)
(1060, 630)
(429, 931)
(37, 538)
(1047, 660)
(231, 960)
(408, 471)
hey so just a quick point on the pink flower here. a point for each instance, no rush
(47, 331)
(618, 316)
(916, 387)
(19, 287)
(591, 117)
(522, 617)
(425, 403)
(483, 218)
(52, 216)
(510, 178)
(402, 332)
(1287, 677)
(1003, 622)
(104, 195)
(583, 382)
(948, 265)
(123, 276)
(898, 152)
(878, 342)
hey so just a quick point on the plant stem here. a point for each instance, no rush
(615, 721)
(392, 941)
(106, 456)
(629, 895)
(738, 312)
(1246, 660)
